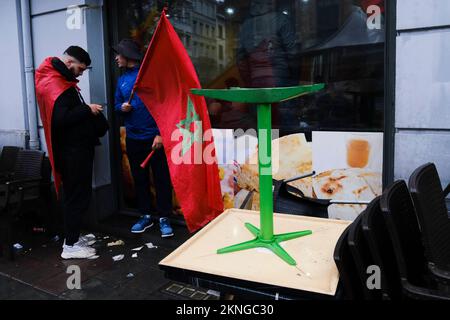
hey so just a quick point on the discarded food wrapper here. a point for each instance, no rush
(130, 275)
(134, 255)
(118, 257)
(137, 249)
(150, 245)
(18, 246)
(93, 257)
(116, 243)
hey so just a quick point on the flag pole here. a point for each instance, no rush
(131, 96)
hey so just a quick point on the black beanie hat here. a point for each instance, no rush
(129, 49)
(79, 53)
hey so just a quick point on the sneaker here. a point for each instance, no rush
(77, 252)
(166, 229)
(87, 240)
(143, 224)
(83, 241)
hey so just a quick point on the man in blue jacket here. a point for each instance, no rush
(142, 136)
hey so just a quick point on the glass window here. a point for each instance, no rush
(280, 43)
(221, 55)
(188, 41)
(277, 43)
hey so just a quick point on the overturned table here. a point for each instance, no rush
(258, 273)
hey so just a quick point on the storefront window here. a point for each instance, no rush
(280, 43)
(268, 43)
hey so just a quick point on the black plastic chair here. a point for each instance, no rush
(348, 274)
(11, 205)
(380, 245)
(28, 165)
(287, 199)
(28, 172)
(362, 257)
(429, 200)
(20, 193)
(403, 227)
(7, 161)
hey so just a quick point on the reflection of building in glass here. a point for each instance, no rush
(305, 22)
(201, 26)
(221, 42)
(280, 43)
(206, 51)
(349, 58)
(180, 17)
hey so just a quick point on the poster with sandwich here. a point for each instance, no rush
(347, 168)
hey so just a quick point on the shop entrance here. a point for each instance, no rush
(277, 43)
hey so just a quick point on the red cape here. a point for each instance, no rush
(50, 84)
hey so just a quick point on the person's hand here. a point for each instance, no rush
(157, 143)
(126, 107)
(95, 108)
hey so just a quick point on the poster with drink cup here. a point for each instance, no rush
(348, 168)
(340, 150)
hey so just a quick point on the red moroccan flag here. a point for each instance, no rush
(50, 84)
(163, 84)
(365, 4)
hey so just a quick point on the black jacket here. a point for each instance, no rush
(73, 124)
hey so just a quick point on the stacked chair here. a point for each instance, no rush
(288, 199)
(350, 282)
(360, 251)
(431, 209)
(24, 186)
(405, 233)
(7, 161)
(381, 249)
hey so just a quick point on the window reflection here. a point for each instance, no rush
(267, 43)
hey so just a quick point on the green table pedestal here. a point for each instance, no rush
(263, 98)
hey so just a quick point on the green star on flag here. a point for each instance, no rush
(189, 137)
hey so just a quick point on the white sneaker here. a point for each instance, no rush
(83, 241)
(86, 241)
(77, 252)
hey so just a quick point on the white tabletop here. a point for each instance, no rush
(315, 270)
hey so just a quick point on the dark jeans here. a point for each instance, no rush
(137, 151)
(76, 172)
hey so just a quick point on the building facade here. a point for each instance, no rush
(412, 110)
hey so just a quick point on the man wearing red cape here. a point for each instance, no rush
(72, 130)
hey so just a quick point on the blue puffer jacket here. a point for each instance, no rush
(139, 124)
